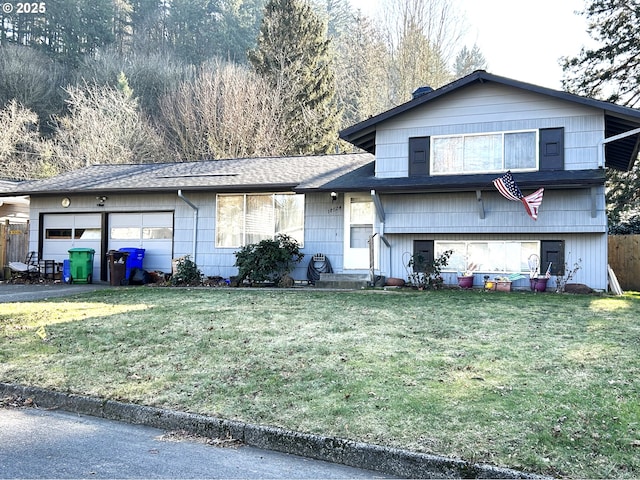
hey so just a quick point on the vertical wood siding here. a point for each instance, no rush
(624, 258)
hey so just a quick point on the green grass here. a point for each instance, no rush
(546, 383)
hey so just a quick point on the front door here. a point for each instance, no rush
(358, 228)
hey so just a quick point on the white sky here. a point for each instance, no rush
(520, 39)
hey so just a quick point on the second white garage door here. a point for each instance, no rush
(152, 231)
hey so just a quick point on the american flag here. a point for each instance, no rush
(507, 186)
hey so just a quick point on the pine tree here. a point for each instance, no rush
(293, 53)
(611, 71)
(468, 61)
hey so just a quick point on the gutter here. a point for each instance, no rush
(195, 223)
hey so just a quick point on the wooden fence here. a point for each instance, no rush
(14, 244)
(624, 258)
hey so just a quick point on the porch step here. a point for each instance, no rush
(347, 281)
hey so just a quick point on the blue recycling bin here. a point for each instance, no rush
(134, 260)
(66, 271)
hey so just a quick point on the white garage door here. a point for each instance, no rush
(152, 231)
(65, 231)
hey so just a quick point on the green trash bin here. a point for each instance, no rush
(81, 264)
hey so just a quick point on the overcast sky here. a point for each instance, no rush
(520, 39)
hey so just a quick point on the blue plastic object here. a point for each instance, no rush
(134, 260)
(66, 271)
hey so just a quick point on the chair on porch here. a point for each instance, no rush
(29, 269)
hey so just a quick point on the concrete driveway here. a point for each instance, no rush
(16, 292)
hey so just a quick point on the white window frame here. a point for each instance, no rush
(356, 257)
(502, 168)
(465, 254)
(244, 232)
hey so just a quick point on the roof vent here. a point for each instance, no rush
(422, 91)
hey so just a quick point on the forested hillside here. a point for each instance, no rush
(128, 81)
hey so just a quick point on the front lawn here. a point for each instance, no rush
(545, 383)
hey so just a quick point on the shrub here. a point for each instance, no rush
(187, 273)
(268, 260)
(426, 274)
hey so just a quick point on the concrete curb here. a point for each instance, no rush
(390, 461)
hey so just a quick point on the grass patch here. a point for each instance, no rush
(545, 383)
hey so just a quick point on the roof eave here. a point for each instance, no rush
(171, 189)
(363, 134)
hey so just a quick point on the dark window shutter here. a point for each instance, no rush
(423, 254)
(552, 148)
(418, 156)
(552, 251)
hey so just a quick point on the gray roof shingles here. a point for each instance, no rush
(247, 174)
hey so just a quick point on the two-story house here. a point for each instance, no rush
(425, 184)
(437, 157)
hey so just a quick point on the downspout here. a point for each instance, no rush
(195, 223)
(381, 219)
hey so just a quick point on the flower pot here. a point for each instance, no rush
(503, 286)
(466, 281)
(541, 284)
(395, 282)
(532, 283)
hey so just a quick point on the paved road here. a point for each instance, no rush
(10, 292)
(55, 444)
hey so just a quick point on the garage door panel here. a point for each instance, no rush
(152, 231)
(65, 231)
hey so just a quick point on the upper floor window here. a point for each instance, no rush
(493, 152)
(243, 219)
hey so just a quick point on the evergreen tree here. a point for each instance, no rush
(611, 71)
(191, 27)
(149, 26)
(468, 61)
(293, 53)
(75, 28)
(361, 75)
(237, 28)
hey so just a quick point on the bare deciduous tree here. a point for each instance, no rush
(32, 79)
(422, 36)
(19, 143)
(225, 112)
(104, 126)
